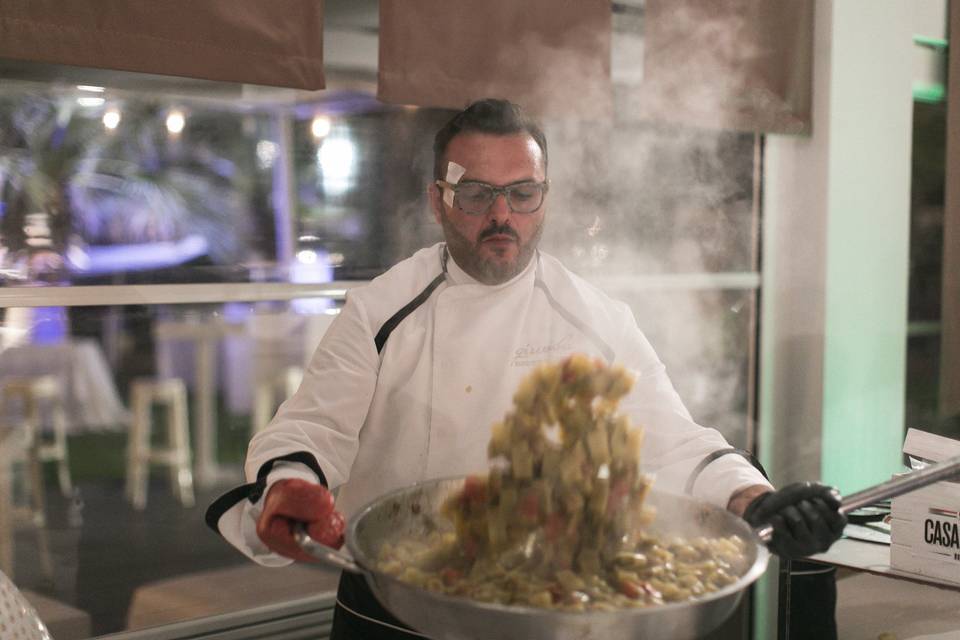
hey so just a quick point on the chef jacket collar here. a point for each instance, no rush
(457, 276)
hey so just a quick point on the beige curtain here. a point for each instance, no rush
(950, 307)
(551, 56)
(277, 43)
(728, 64)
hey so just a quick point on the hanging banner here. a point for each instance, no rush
(727, 64)
(550, 56)
(277, 43)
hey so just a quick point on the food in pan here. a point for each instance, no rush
(559, 522)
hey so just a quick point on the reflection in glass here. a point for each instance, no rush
(141, 189)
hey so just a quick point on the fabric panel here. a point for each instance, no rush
(551, 56)
(278, 43)
(727, 64)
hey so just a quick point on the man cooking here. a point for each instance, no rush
(419, 364)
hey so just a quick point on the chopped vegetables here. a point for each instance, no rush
(559, 521)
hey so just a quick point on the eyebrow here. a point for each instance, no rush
(509, 184)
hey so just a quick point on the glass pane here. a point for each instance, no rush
(706, 344)
(111, 187)
(649, 200)
(120, 187)
(90, 550)
(926, 272)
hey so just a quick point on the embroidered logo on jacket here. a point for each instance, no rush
(529, 355)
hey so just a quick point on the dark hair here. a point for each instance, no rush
(490, 115)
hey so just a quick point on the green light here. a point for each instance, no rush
(929, 93)
(938, 44)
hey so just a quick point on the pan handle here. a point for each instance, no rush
(889, 489)
(323, 553)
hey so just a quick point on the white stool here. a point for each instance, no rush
(31, 394)
(17, 448)
(23, 398)
(265, 399)
(172, 394)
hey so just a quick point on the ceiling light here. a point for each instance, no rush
(90, 102)
(111, 118)
(306, 256)
(175, 122)
(320, 126)
(267, 152)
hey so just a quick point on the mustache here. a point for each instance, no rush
(502, 229)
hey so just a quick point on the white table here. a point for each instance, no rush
(256, 349)
(91, 397)
(205, 334)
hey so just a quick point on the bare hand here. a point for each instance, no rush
(291, 502)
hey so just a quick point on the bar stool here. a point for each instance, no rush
(20, 447)
(172, 395)
(32, 393)
(265, 399)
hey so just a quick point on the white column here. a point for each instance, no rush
(284, 190)
(836, 242)
(835, 260)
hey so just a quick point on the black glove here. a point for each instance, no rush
(805, 518)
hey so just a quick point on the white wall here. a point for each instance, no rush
(836, 238)
(836, 258)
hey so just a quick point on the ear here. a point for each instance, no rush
(435, 195)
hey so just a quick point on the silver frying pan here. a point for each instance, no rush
(415, 511)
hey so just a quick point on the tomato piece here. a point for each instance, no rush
(530, 505)
(617, 496)
(474, 490)
(555, 526)
(557, 593)
(630, 588)
(470, 548)
(450, 575)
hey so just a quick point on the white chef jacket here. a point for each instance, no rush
(408, 380)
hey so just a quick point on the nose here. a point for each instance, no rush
(499, 209)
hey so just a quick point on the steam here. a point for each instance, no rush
(643, 212)
(642, 208)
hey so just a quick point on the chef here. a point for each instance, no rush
(419, 364)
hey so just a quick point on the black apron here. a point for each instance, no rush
(360, 616)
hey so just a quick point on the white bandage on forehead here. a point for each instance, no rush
(454, 173)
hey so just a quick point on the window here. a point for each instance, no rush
(194, 245)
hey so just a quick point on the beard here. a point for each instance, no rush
(488, 270)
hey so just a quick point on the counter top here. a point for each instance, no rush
(873, 558)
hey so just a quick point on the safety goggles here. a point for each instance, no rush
(476, 198)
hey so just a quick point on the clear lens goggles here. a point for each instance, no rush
(476, 198)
